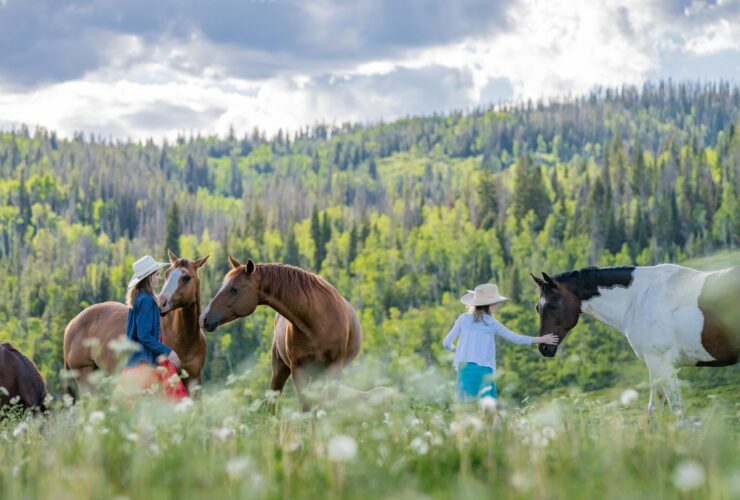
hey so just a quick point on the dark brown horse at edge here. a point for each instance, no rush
(316, 330)
(179, 304)
(20, 381)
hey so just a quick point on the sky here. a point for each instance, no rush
(155, 69)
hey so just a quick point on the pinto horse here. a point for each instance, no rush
(316, 330)
(20, 381)
(671, 315)
(87, 338)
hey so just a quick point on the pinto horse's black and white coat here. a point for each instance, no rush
(671, 315)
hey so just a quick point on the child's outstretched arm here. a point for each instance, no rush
(515, 338)
(450, 338)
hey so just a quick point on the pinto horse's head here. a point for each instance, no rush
(182, 284)
(238, 296)
(559, 310)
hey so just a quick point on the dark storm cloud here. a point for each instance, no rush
(44, 41)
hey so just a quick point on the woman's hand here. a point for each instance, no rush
(549, 339)
(174, 358)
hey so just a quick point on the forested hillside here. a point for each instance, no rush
(401, 217)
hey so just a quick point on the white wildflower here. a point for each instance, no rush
(68, 400)
(223, 434)
(123, 344)
(628, 397)
(4, 391)
(419, 446)
(548, 432)
(185, 405)
(20, 429)
(474, 422)
(292, 445)
(131, 436)
(320, 414)
(689, 475)
(15, 400)
(48, 399)
(236, 467)
(342, 448)
(521, 481)
(96, 417)
(487, 404)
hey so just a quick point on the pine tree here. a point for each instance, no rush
(316, 237)
(173, 230)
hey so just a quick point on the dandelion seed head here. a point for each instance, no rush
(342, 448)
(688, 475)
(628, 397)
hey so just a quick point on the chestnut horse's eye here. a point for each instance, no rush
(186, 278)
(233, 289)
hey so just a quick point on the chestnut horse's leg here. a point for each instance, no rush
(280, 374)
(83, 379)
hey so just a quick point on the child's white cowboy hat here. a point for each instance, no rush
(144, 267)
(483, 295)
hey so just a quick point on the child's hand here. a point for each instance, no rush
(549, 339)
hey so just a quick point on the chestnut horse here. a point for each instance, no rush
(316, 330)
(20, 381)
(671, 315)
(100, 324)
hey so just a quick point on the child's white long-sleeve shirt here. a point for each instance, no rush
(477, 344)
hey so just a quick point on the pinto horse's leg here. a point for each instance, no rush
(663, 380)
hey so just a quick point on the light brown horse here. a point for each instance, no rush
(87, 338)
(316, 330)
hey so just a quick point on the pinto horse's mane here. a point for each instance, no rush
(585, 283)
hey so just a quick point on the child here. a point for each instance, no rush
(475, 354)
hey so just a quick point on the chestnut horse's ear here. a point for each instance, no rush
(172, 256)
(539, 282)
(251, 266)
(234, 263)
(549, 280)
(199, 263)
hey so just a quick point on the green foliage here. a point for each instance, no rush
(402, 217)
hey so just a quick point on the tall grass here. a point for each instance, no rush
(412, 443)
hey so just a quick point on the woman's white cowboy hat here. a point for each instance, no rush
(144, 267)
(483, 295)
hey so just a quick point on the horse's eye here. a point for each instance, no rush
(186, 278)
(233, 289)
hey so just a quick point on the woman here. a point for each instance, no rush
(475, 354)
(143, 328)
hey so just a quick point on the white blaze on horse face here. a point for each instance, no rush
(170, 286)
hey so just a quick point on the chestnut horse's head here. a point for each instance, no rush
(238, 296)
(182, 284)
(559, 310)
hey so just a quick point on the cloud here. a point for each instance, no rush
(157, 69)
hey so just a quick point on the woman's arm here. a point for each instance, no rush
(515, 338)
(450, 338)
(145, 327)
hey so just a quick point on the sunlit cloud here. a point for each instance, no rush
(286, 64)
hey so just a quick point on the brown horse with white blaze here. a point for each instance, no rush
(316, 330)
(88, 337)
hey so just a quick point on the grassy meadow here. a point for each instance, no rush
(411, 442)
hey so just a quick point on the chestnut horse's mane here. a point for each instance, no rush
(284, 279)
